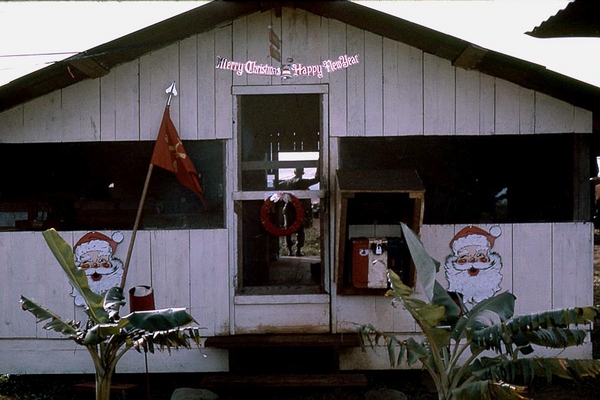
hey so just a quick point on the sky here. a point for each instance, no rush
(37, 33)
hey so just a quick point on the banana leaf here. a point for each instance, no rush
(426, 268)
(556, 318)
(479, 317)
(430, 314)
(548, 329)
(397, 350)
(171, 339)
(158, 320)
(488, 390)
(64, 255)
(367, 334)
(556, 337)
(415, 351)
(442, 298)
(113, 300)
(99, 333)
(68, 328)
(391, 344)
(528, 368)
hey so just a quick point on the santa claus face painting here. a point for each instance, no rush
(94, 254)
(102, 270)
(473, 270)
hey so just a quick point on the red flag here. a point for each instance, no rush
(170, 155)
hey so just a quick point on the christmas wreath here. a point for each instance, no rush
(265, 211)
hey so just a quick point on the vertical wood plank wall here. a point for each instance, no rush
(185, 268)
(189, 269)
(394, 90)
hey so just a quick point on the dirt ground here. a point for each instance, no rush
(415, 384)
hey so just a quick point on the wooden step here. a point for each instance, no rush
(284, 380)
(284, 340)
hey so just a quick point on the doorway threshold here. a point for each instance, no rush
(275, 290)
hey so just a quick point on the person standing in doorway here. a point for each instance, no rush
(298, 182)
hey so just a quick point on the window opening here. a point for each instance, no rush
(482, 179)
(98, 186)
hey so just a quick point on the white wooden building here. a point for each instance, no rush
(398, 122)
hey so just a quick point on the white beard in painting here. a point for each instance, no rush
(105, 274)
(477, 280)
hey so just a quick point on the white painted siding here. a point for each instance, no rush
(41, 357)
(119, 104)
(402, 89)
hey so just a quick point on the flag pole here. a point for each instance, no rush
(171, 91)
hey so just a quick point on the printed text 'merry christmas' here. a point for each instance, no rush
(255, 68)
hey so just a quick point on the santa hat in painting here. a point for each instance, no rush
(474, 236)
(96, 241)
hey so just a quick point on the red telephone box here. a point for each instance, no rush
(369, 263)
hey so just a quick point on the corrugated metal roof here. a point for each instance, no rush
(99, 60)
(580, 18)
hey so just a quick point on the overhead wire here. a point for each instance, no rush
(38, 54)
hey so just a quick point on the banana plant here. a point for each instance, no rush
(455, 338)
(106, 335)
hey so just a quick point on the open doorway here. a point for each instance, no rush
(280, 221)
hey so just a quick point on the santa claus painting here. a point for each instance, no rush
(94, 254)
(473, 269)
